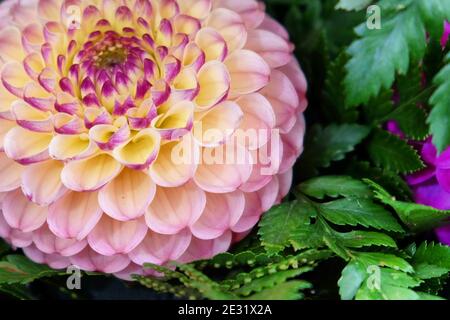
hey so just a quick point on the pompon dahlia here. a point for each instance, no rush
(98, 97)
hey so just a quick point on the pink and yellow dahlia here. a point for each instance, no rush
(97, 98)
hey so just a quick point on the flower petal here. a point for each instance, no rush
(10, 173)
(224, 168)
(41, 182)
(71, 147)
(140, 151)
(90, 260)
(176, 163)
(48, 243)
(90, 174)
(222, 211)
(74, 215)
(230, 25)
(160, 249)
(248, 71)
(275, 50)
(216, 125)
(22, 214)
(127, 196)
(205, 249)
(214, 81)
(212, 44)
(111, 237)
(174, 209)
(27, 147)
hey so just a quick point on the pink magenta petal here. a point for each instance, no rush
(275, 50)
(159, 249)
(89, 260)
(22, 214)
(205, 249)
(248, 71)
(74, 215)
(174, 209)
(48, 243)
(111, 237)
(224, 168)
(222, 211)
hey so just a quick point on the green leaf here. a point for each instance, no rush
(353, 275)
(284, 224)
(334, 101)
(359, 212)
(431, 260)
(270, 281)
(332, 143)
(383, 260)
(335, 186)
(416, 216)
(19, 269)
(350, 5)
(411, 120)
(284, 291)
(400, 39)
(439, 118)
(358, 239)
(390, 180)
(392, 153)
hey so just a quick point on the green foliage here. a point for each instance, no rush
(18, 269)
(332, 143)
(353, 4)
(417, 217)
(305, 223)
(400, 41)
(439, 118)
(392, 153)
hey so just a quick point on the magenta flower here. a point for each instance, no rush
(98, 97)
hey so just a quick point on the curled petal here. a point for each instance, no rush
(111, 237)
(212, 44)
(90, 174)
(248, 71)
(140, 151)
(176, 122)
(293, 144)
(74, 215)
(159, 249)
(21, 214)
(127, 196)
(30, 118)
(174, 209)
(214, 81)
(108, 137)
(54, 261)
(5, 126)
(71, 147)
(222, 211)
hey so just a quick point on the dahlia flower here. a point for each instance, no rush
(97, 96)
